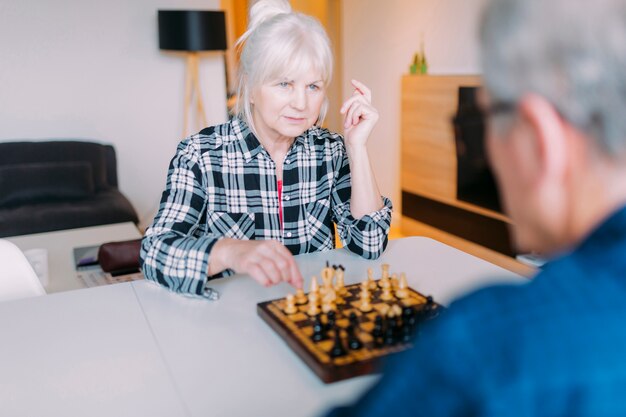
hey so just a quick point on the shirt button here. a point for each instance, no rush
(286, 198)
(288, 234)
(286, 161)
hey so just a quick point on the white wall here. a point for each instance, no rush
(379, 40)
(93, 69)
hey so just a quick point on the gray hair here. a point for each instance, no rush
(279, 42)
(571, 52)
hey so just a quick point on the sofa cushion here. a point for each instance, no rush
(46, 181)
(25, 152)
(106, 207)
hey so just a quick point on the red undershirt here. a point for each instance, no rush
(280, 203)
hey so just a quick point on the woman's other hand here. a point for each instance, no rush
(267, 261)
(360, 116)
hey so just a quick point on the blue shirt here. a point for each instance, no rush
(553, 347)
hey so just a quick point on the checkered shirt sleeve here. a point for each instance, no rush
(222, 183)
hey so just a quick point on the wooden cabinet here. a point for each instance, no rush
(429, 172)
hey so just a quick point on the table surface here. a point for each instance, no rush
(138, 349)
(60, 246)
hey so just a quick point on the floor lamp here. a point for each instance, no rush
(192, 31)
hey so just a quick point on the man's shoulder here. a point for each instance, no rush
(537, 311)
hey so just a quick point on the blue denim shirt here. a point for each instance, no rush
(553, 347)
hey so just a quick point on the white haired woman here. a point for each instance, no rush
(247, 195)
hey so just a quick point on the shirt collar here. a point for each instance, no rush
(250, 146)
(305, 139)
(609, 233)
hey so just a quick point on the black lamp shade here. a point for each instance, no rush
(192, 30)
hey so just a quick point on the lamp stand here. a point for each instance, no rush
(192, 91)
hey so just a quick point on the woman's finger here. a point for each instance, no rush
(286, 263)
(363, 89)
(356, 114)
(295, 278)
(348, 116)
(353, 115)
(356, 98)
(258, 274)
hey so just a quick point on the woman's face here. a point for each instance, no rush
(286, 107)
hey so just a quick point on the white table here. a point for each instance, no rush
(169, 355)
(60, 246)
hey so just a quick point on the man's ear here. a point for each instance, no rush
(548, 132)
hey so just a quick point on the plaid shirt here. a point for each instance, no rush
(222, 183)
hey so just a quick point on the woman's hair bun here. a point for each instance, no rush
(263, 10)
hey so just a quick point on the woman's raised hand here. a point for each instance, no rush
(360, 116)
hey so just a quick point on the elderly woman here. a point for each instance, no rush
(247, 195)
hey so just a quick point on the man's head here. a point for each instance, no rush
(555, 76)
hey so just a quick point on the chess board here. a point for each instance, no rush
(297, 330)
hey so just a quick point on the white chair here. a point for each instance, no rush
(17, 277)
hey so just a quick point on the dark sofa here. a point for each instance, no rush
(57, 185)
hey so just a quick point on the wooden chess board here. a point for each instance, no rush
(297, 330)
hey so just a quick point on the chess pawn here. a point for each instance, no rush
(394, 281)
(338, 348)
(340, 286)
(386, 295)
(396, 310)
(340, 300)
(328, 301)
(291, 305)
(384, 282)
(327, 279)
(365, 306)
(313, 309)
(300, 297)
(353, 340)
(384, 309)
(314, 286)
(370, 279)
(403, 287)
(364, 289)
(385, 268)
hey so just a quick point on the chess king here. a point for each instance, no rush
(554, 74)
(217, 218)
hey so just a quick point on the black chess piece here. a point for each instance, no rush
(409, 319)
(330, 320)
(397, 329)
(377, 332)
(353, 341)
(430, 309)
(319, 330)
(354, 320)
(390, 336)
(338, 348)
(407, 333)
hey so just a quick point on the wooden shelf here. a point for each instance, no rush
(429, 170)
(462, 205)
(428, 162)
